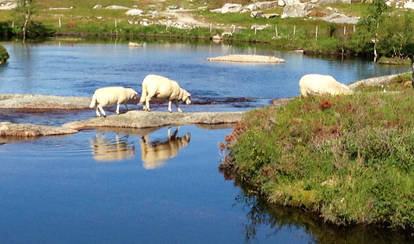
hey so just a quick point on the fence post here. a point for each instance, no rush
(316, 34)
(60, 23)
(294, 30)
(277, 34)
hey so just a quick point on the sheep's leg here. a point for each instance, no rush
(169, 132)
(147, 107)
(97, 112)
(178, 108)
(117, 108)
(101, 109)
(126, 106)
(169, 106)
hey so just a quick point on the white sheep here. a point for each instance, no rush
(316, 84)
(161, 87)
(111, 95)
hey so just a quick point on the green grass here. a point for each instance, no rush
(348, 158)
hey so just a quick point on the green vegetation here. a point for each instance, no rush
(348, 158)
(4, 55)
(313, 35)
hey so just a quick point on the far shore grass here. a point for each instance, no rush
(310, 34)
(350, 159)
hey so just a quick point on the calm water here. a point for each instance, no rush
(143, 186)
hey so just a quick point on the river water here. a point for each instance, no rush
(150, 186)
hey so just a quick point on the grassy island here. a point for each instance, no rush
(4, 55)
(348, 158)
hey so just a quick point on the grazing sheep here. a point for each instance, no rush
(154, 154)
(109, 96)
(316, 84)
(161, 87)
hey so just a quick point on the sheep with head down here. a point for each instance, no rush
(317, 85)
(111, 95)
(161, 87)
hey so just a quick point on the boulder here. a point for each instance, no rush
(134, 12)
(97, 6)
(266, 5)
(229, 8)
(409, 5)
(8, 4)
(116, 7)
(270, 16)
(256, 14)
(318, 85)
(296, 10)
(281, 3)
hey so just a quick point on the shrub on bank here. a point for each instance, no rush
(349, 158)
(4, 55)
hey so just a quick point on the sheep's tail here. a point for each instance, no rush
(93, 102)
(143, 93)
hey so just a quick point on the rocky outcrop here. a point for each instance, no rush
(8, 129)
(375, 81)
(142, 119)
(247, 59)
(340, 19)
(30, 102)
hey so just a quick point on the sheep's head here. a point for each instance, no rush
(132, 93)
(187, 98)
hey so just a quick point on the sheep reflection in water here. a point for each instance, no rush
(154, 154)
(104, 149)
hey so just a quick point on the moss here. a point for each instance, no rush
(4, 55)
(348, 158)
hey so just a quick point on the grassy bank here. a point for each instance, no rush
(4, 55)
(52, 17)
(348, 158)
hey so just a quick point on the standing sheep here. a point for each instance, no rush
(316, 84)
(107, 96)
(161, 87)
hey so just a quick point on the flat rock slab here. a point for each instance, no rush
(33, 103)
(8, 129)
(375, 81)
(247, 59)
(142, 119)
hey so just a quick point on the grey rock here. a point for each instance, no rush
(31, 102)
(8, 129)
(142, 119)
(375, 81)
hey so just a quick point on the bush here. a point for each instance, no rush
(4, 55)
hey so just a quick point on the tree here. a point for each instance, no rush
(372, 23)
(24, 12)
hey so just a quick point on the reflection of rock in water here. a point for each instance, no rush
(104, 149)
(154, 154)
